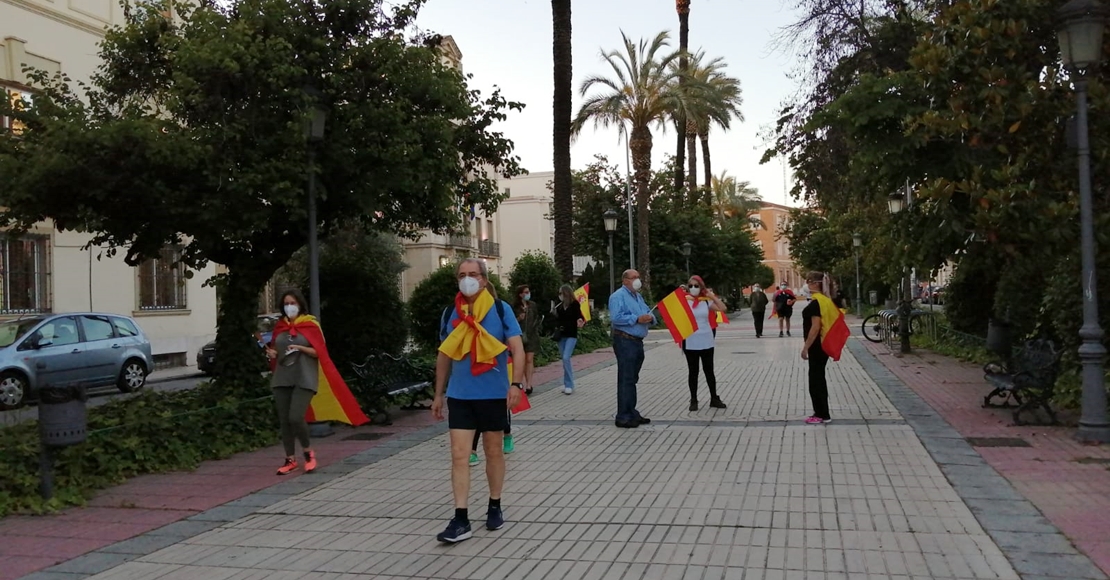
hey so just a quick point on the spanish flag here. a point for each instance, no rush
(333, 400)
(720, 319)
(834, 331)
(582, 295)
(677, 315)
(523, 405)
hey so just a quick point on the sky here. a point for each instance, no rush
(507, 43)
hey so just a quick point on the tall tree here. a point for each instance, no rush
(191, 133)
(714, 99)
(561, 52)
(734, 199)
(642, 92)
(683, 9)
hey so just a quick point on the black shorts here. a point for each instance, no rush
(785, 312)
(479, 415)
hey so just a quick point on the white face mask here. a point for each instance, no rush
(291, 310)
(637, 284)
(469, 286)
(694, 291)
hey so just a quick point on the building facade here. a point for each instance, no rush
(776, 248)
(50, 271)
(526, 216)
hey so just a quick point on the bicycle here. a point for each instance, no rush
(876, 327)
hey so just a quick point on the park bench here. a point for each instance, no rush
(385, 380)
(1027, 381)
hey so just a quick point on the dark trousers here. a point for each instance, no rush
(630, 358)
(818, 384)
(706, 358)
(292, 403)
(758, 318)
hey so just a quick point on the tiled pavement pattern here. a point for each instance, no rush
(1065, 480)
(744, 493)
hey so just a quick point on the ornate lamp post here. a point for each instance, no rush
(610, 219)
(314, 133)
(1079, 28)
(857, 243)
(896, 202)
(686, 246)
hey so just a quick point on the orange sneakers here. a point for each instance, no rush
(309, 461)
(290, 465)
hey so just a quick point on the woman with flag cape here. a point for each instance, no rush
(707, 309)
(307, 387)
(826, 334)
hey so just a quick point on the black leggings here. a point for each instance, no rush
(508, 431)
(706, 357)
(818, 384)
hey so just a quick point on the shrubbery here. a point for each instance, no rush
(149, 433)
(537, 271)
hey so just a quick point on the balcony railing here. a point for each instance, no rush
(461, 240)
(488, 248)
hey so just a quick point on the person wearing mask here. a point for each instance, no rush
(470, 383)
(783, 307)
(699, 346)
(528, 316)
(568, 319)
(759, 301)
(630, 318)
(814, 351)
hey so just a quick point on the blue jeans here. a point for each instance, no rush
(630, 357)
(566, 349)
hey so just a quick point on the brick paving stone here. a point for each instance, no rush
(586, 500)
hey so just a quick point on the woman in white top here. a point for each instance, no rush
(699, 346)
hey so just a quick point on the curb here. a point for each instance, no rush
(1033, 545)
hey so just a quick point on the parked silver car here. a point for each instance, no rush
(90, 348)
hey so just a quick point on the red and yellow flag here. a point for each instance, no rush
(720, 318)
(677, 315)
(716, 318)
(333, 400)
(834, 331)
(582, 295)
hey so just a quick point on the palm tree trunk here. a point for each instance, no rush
(683, 9)
(704, 136)
(692, 158)
(563, 201)
(641, 161)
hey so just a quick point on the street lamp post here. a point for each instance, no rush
(686, 246)
(610, 220)
(857, 243)
(314, 133)
(896, 203)
(1079, 28)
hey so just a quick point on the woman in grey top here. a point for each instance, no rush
(295, 379)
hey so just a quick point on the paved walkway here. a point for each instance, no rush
(888, 490)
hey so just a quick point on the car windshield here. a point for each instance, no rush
(14, 330)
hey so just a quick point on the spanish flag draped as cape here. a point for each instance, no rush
(715, 318)
(834, 331)
(333, 400)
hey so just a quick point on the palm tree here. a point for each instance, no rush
(714, 100)
(642, 91)
(561, 130)
(736, 199)
(683, 9)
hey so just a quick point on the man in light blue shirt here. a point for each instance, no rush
(630, 317)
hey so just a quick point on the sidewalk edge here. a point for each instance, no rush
(1033, 545)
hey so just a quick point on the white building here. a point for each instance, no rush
(47, 270)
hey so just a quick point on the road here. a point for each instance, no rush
(101, 396)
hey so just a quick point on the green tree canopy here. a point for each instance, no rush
(192, 133)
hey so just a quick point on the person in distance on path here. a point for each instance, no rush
(471, 366)
(759, 308)
(630, 318)
(784, 307)
(700, 345)
(568, 316)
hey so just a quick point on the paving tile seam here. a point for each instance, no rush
(112, 555)
(1010, 510)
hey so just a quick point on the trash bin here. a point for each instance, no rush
(62, 417)
(998, 338)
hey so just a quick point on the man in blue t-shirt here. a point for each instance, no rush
(478, 393)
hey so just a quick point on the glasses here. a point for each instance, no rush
(694, 286)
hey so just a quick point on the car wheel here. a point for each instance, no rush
(13, 390)
(132, 377)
